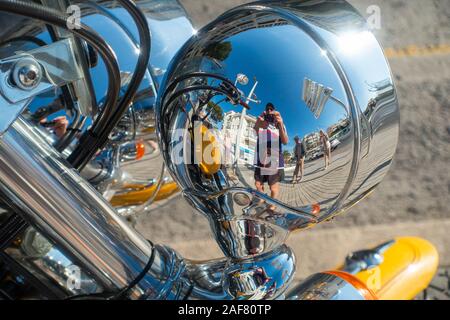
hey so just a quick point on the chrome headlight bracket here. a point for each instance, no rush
(28, 74)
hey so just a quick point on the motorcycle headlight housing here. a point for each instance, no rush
(329, 83)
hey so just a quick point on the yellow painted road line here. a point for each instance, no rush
(416, 51)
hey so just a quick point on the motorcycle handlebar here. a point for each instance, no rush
(244, 104)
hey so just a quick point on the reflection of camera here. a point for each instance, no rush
(269, 118)
(48, 124)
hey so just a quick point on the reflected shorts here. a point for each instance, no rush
(270, 179)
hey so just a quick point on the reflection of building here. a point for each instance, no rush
(233, 27)
(204, 64)
(381, 87)
(248, 137)
(339, 129)
(331, 15)
(156, 9)
(254, 21)
(385, 94)
(311, 141)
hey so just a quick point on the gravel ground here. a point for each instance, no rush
(439, 288)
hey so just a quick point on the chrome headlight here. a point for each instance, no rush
(326, 75)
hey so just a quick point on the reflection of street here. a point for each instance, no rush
(149, 167)
(317, 184)
(372, 168)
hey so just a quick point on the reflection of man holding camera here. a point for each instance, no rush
(270, 161)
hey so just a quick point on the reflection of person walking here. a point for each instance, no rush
(271, 124)
(299, 154)
(326, 145)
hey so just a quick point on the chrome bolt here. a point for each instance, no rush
(27, 74)
(242, 199)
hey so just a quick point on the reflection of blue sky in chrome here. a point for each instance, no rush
(280, 58)
(362, 58)
(167, 37)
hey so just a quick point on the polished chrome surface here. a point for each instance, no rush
(83, 89)
(321, 75)
(329, 83)
(170, 28)
(260, 278)
(57, 61)
(324, 286)
(366, 259)
(64, 207)
(38, 255)
(61, 205)
(27, 74)
(265, 277)
(53, 66)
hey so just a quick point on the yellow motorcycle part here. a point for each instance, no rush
(408, 267)
(140, 196)
(149, 130)
(208, 152)
(140, 150)
(359, 285)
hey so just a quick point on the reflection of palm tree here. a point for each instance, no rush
(214, 111)
(219, 50)
(286, 155)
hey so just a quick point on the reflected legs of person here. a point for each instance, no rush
(259, 184)
(274, 190)
(326, 146)
(328, 154)
(273, 181)
(299, 154)
(299, 166)
(154, 145)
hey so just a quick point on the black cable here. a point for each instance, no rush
(74, 129)
(66, 94)
(69, 98)
(36, 41)
(186, 76)
(54, 17)
(183, 91)
(121, 294)
(125, 291)
(189, 292)
(203, 87)
(218, 90)
(96, 138)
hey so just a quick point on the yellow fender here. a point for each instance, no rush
(408, 267)
(141, 195)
